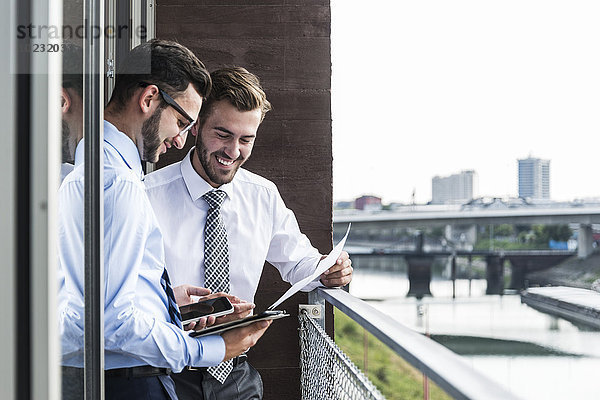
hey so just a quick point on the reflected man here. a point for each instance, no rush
(71, 105)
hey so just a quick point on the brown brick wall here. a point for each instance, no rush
(287, 44)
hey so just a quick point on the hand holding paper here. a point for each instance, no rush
(323, 266)
(340, 273)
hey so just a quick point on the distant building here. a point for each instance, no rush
(343, 205)
(368, 203)
(534, 178)
(454, 189)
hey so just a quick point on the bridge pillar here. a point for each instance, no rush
(419, 275)
(519, 271)
(524, 263)
(494, 273)
(585, 241)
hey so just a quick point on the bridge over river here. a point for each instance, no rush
(428, 216)
(521, 263)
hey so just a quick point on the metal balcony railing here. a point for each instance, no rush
(328, 374)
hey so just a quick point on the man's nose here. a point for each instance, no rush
(179, 140)
(233, 150)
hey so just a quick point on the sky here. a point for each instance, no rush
(434, 87)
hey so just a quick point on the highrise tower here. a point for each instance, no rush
(457, 188)
(534, 178)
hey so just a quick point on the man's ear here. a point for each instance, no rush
(147, 98)
(195, 128)
(65, 101)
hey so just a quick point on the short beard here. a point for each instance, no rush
(68, 155)
(204, 159)
(150, 137)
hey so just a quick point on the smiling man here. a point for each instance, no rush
(162, 84)
(219, 199)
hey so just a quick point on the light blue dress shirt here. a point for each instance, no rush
(137, 328)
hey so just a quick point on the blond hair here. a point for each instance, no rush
(240, 87)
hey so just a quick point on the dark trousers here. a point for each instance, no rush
(244, 383)
(160, 387)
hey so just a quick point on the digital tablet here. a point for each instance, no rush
(217, 329)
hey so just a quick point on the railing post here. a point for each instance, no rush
(585, 241)
(315, 298)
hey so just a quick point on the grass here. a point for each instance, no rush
(394, 377)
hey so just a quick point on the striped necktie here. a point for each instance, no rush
(216, 262)
(173, 309)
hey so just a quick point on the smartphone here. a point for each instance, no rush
(212, 307)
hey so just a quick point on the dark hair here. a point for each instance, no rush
(240, 87)
(167, 64)
(72, 56)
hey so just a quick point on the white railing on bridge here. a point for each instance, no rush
(580, 215)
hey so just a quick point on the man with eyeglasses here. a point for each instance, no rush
(160, 86)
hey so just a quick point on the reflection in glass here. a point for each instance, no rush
(71, 103)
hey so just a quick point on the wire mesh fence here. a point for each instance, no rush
(328, 373)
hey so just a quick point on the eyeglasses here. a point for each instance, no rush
(170, 101)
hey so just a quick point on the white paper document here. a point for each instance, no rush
(322, 266)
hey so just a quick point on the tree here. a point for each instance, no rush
(504, 230)
(522, 228)
(545, 233)
(437, 232)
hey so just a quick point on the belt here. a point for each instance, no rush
(136, 372)
(242, 358)
(132, 372)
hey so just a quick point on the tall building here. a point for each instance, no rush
(453, 189)
(534, 178)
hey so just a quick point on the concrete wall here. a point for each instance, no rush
(287, 44)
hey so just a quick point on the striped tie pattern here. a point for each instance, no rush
(173, 309)
(216, 262)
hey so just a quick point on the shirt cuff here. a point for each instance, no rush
(313, 285)
(212, 350)
(317, 282)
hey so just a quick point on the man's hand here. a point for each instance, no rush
(239, 340)
(241, 309)
(200, 324)
(340, 274)
(183, 296)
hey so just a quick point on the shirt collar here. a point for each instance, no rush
(79, 153)
(124, 146)
(196, 185)
(121, 143)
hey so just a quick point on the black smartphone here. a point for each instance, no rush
(212, 307)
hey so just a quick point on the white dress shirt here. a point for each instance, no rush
(259, 227)
(65, 169)
(137, 327)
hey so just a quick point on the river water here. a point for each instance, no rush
(534, 355)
